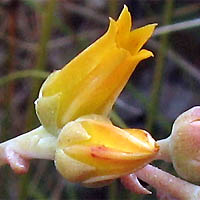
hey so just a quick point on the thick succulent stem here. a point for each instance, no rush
(168, 183)
(163, 153)
(36, 144)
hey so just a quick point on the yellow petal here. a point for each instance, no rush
(79, 68)
(92, 92)
(93, 80)
(139, 37)
(124, 26)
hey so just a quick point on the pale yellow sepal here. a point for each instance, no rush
(47, 111)
(74, 170)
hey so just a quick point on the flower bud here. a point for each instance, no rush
(93, 80)
(91, 151)
(184, 145)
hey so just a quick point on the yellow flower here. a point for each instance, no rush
(92, 151)
(93, 80)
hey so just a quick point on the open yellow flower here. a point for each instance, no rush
(92, 151)
(93, 80)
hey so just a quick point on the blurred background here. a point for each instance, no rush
(39, 36)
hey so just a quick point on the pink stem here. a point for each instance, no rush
(18, 164)
(168, 183)
(132, 183)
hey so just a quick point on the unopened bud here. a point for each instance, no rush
(93, 152)
(184, 145)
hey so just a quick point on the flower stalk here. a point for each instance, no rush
(168, 184)
(36, 144)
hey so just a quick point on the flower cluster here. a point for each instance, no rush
(74, 105)
(90, 149)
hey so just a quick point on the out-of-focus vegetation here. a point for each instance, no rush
(39, 36)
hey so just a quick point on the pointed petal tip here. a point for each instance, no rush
(154, 25)
(151, 54)
(124, 15)
(150, 28)
(143, 54)
(111, 20)
(125, 8)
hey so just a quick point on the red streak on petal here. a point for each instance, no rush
(100, 152)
